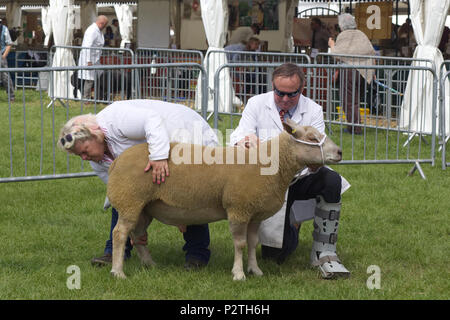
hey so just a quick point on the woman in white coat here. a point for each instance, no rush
(103, 137)
(93, 38)
(317, 189)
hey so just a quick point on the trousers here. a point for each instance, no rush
(196, 240)
(6, 80)
(324, 182)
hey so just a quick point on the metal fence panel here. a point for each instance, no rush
(32, 123)
(108, 85)
(27, 59)
(383, 138)
(250, 81)
(444, 119)
(170, 84)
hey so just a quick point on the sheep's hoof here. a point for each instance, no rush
(239, 276)
(255, 270)
(118, 274)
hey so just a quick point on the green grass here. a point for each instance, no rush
(389, 219)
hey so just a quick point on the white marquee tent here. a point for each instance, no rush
(428, 20)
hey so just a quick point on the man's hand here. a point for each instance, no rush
(249, 141)
(160, 170)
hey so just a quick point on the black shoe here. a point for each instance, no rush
(102, 261)
(194, 264)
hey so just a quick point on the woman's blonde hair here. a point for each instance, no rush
(79, 128)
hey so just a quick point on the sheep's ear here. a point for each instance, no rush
(293, 128)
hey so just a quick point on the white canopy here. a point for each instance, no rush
(288, 40)
(215, 21)
(125, 17)
(63, 21)
(88, 13)
(46, 19)
(13, 15)
(428, 20)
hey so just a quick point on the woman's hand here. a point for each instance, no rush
(331, 43)
(160, 170)
(249, 141)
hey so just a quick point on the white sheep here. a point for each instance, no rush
(202, 193)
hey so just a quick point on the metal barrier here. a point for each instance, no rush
(25, 59)
(108, 84)
(384, 139)
(444, 103)
(389, 80)
(381, 137)
(175, 85)
(249, 82)
(33, 128)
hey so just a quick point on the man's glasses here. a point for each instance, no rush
(289, 94)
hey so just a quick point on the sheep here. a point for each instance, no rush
(203, 193)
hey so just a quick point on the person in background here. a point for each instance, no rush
(352, 41)
(116, 33)
(101, 138)
(5, 44)
(243, 34)
(320, 36)
(252, 76)
(93, 38)
(109, 37)
(316, 189)
(251, 45)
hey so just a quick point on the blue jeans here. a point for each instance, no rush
(197, 242)
(196, 237)
(108, 247)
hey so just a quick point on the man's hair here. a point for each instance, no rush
(253, 39)
(288, 70)
(317, 21)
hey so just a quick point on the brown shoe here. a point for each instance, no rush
(102, 261)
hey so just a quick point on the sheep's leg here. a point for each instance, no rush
(252, 242)
(120, 235)
(239, 233)
(139, 231)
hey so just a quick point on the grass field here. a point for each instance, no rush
(397, 222)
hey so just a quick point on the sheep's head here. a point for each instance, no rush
(312, 147)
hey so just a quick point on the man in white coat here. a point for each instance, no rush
(103, 137)
(315, 193)
(93, 38)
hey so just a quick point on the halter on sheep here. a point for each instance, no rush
(203, 193)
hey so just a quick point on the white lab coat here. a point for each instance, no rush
(93, 38)
(261, 117)
(128, 123)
